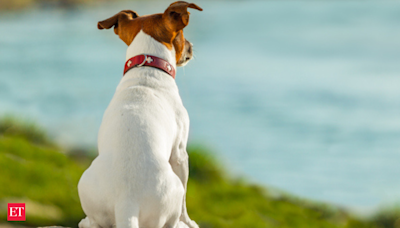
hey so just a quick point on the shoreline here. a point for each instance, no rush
(19, 5)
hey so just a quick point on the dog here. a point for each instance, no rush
(140, 176)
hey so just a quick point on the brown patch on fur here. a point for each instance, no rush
(165, 27)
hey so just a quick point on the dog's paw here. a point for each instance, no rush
(192, 224)
(84, 223)
(182, 225)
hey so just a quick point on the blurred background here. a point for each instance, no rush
(301, 96)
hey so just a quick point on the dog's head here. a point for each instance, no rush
(166, 28)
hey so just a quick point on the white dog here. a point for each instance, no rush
(139, 177)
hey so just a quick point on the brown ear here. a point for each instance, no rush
(117, 19)
(177, 15)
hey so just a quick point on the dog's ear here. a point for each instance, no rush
(177, 16)
(119, 21)
(119, 18)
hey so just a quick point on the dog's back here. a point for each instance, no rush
(135, 138)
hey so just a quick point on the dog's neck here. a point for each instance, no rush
(148, 76)
(145, 44)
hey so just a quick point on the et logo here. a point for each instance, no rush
(16, 212)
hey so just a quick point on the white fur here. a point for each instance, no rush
(139, 177)
(153, 48)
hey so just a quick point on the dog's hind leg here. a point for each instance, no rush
(126, 216)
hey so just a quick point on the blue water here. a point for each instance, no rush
(303, 96)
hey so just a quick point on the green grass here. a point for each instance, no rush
(28, 130)
(214, 200)
(34, 171)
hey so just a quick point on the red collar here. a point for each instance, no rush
(149, 60)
